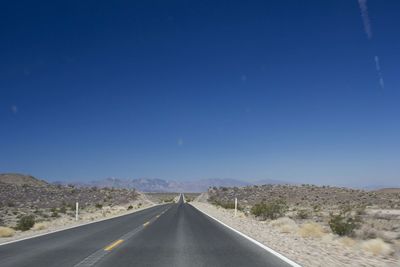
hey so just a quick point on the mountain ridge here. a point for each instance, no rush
(21, 179)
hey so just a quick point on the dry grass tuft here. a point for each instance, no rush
(40, 226)
(347, 241)
(285, 225)
(377, 247)
(311, 230)
(6, 232)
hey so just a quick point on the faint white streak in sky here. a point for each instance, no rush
(378, 66)
(14, 109)
(378, 69)
(365, 17)
(180, 142)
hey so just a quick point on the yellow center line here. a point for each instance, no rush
(113, 245)
(146, 223)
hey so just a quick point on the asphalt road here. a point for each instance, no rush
(167, 235)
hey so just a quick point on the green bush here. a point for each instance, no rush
(25, 222)
(99, 206)
(270, 210)
(344, 223)
(130, 207)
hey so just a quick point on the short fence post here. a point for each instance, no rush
(76, 211)
(235, 206)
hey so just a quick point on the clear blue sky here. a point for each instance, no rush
(201, 89)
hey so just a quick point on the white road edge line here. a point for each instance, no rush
(75, 226)
(270, 250)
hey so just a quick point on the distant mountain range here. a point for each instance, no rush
(160, 185)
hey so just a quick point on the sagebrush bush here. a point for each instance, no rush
(344, 223)
(270, 210)
(25, 222)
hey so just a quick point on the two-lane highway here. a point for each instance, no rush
(168, 235)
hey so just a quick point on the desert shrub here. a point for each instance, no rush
(344, 223)
(270, 210)
(6, 232)
(311, 230)
(226, 204)
(302, 214)
(63, 209)
(189, 199)
(377, 247)
(361, 210)
(25, 222)
(72, 206)
(99, 206)
(130, 207)
(55, 214)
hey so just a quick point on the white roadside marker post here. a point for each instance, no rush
(76, 211)
(235, 206)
